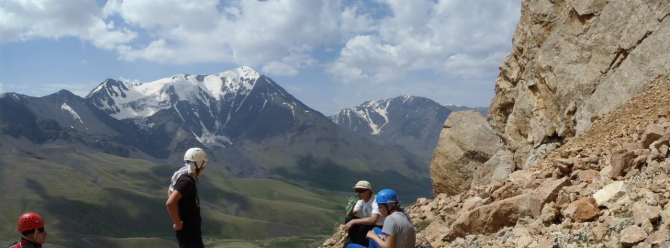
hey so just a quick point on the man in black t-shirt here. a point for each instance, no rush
(183, 203)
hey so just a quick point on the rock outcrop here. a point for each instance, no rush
(571, 198)
(572, 62)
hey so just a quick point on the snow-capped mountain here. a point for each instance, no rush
(249, 124)
(237, 113)
(411, 122)
(213, 106)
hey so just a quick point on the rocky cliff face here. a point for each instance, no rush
(571, 62)
(606, 187)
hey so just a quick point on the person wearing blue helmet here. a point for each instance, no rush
(398, 230)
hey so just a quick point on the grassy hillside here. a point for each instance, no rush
(99, 198)
(324, 174)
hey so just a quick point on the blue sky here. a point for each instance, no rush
(330, 54)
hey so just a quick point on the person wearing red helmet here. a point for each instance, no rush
(183, 203)
(31, 227)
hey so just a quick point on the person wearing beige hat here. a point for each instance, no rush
(357, 227)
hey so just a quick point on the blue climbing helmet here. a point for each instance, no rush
(387, 196)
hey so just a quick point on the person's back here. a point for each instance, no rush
(399, 226)
(189, 204)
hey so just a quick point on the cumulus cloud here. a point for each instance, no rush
(290, 64)
(376, 41)
(457, 38)
(266, 33)
(34, 19)
(130, 81)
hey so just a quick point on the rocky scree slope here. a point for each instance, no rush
(606, 187)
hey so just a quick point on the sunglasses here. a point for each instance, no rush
(40, 230)
(360, 190)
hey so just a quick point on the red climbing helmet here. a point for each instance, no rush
(30, 221)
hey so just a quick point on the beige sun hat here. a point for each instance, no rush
(363, 185)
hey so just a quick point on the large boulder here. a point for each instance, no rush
(466, 143)
(581, 210)
(612, 196)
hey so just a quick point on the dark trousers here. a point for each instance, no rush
(357, 232)
(189, 238)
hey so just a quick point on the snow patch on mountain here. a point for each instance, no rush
(239, 81)
(209, 139)
(453, 105)
(74, 114)
(137, 100)
(370, 108)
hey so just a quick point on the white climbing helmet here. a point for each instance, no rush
(196, 156)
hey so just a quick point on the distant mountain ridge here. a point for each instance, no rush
(411, 122)
(457, 107)
(250, 125)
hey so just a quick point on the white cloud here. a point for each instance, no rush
(289, 65)
(376, 41)
(1, 88)
(130, 81)
(466, 66)
(242, 32)
(34, 19)
(457, 38)
(279, 68)
(345, 73)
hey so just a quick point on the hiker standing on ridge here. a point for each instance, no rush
(398, 231)
(31, 227)
(183, 203)
(357, 227)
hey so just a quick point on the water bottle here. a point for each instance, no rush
(352, 202)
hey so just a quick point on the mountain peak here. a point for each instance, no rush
(64, 91)
(245, 72)
(403, 99)
(412, 122)
(109, 86)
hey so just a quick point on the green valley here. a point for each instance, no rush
(97, 198)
